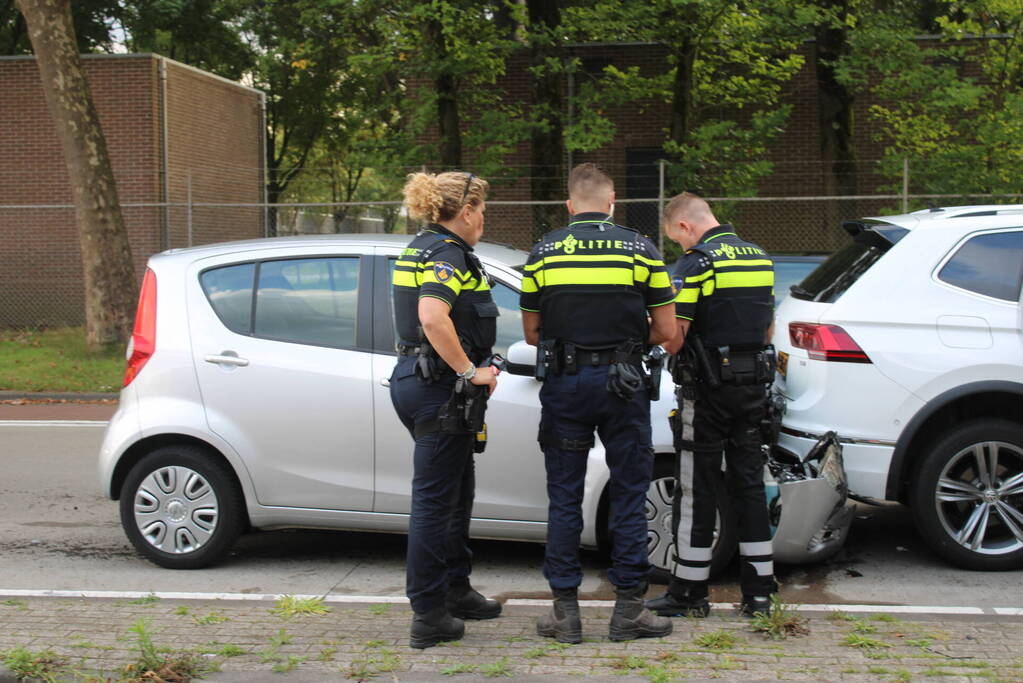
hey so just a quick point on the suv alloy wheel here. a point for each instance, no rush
(967, 495)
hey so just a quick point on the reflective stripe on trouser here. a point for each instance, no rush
(573, 406)
(443, 487)
(729, 415)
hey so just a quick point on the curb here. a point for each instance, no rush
(7, 676)
(57, 396)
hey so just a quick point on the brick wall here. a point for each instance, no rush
(40, 271)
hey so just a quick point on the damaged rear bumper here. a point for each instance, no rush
(808, 502)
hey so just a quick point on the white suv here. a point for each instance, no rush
(908, 344)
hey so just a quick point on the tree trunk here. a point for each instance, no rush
(835, 125)
(446, 87)
(548, 137)
(110, 287)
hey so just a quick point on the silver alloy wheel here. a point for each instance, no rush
(176, 510)
(979, 498)
(659, 539)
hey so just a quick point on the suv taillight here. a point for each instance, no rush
(826, 342)
(143, 338)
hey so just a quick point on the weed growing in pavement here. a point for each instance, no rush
(717, 640)
(289, 606)
(864, 642)
(726, 663)
(289, 663)
(146, 600)
(214, 617)
(376, 643)
(886, 618)
(780, 623)
(630, 663)
(877, 654)
(43, 665)
(272, 654)
(222, 649)
(20, 604)
(919, 642)
(380, 609)
(327, 653)
(545, 650)
(384, 661)
(862, 626)
(458, 669)
(154, 664)
(901, 676)
(497, 669)
(182, 610)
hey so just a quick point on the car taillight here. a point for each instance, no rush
(143, 338)
(826, 342)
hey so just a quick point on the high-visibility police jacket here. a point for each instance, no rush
(593, 281)
(726, 288)
(440, 264)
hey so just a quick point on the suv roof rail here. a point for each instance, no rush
(969, 211)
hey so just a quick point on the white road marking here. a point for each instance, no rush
(53, 423)
(522, 602)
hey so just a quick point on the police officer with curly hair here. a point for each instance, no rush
(594, 295)
(725, 309)
(446, 324)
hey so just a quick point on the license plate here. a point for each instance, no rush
(783, 363)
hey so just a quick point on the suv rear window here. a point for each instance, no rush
(990, 264)
(832, 278)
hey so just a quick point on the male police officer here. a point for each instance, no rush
(725, 308)
(586, 295)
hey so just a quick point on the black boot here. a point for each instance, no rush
(466, 603)
(631, 620)
(756, 604)
(680, 601)
(435, 626)
(563, 622)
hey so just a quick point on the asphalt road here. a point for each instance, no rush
(57, 532)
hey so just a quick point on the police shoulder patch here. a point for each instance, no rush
(443, 271)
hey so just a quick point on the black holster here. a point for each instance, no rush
(625, 376)
(463, 413)
(654, 360)
(548, 360)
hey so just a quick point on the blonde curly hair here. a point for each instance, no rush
(438, 197)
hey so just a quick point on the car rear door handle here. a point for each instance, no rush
(227, 359)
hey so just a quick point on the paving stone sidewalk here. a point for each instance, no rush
(249, 642)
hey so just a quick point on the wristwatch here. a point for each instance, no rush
(469, 373)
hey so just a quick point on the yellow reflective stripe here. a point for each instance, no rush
(403, 278)
(529, 310)
(708, 287)
(640, 273)
(408, 264)
(747, 262)
(577, 258)
(660, 279)
(701, 277)
(586, 276)
(663, 303)
(529, 285)
(687, 296)
(650, 261)
(429, 277)
(761, 278)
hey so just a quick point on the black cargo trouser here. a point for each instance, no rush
(722, 421)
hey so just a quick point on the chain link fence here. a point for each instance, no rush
(40, 265)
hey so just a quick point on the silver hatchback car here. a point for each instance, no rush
(256, 397)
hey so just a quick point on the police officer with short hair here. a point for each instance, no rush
(725, 309)
(446, 324)
(594, 294)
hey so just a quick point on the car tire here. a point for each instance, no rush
(659, 528)
(181, 507)
(967, 495)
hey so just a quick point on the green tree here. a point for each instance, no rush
(952, 106)
(91, 20)
(727, 63)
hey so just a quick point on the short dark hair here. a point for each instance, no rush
(587, 181)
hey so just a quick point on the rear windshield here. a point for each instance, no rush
(833, 277)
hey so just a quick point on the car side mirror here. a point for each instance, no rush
(522, 359)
